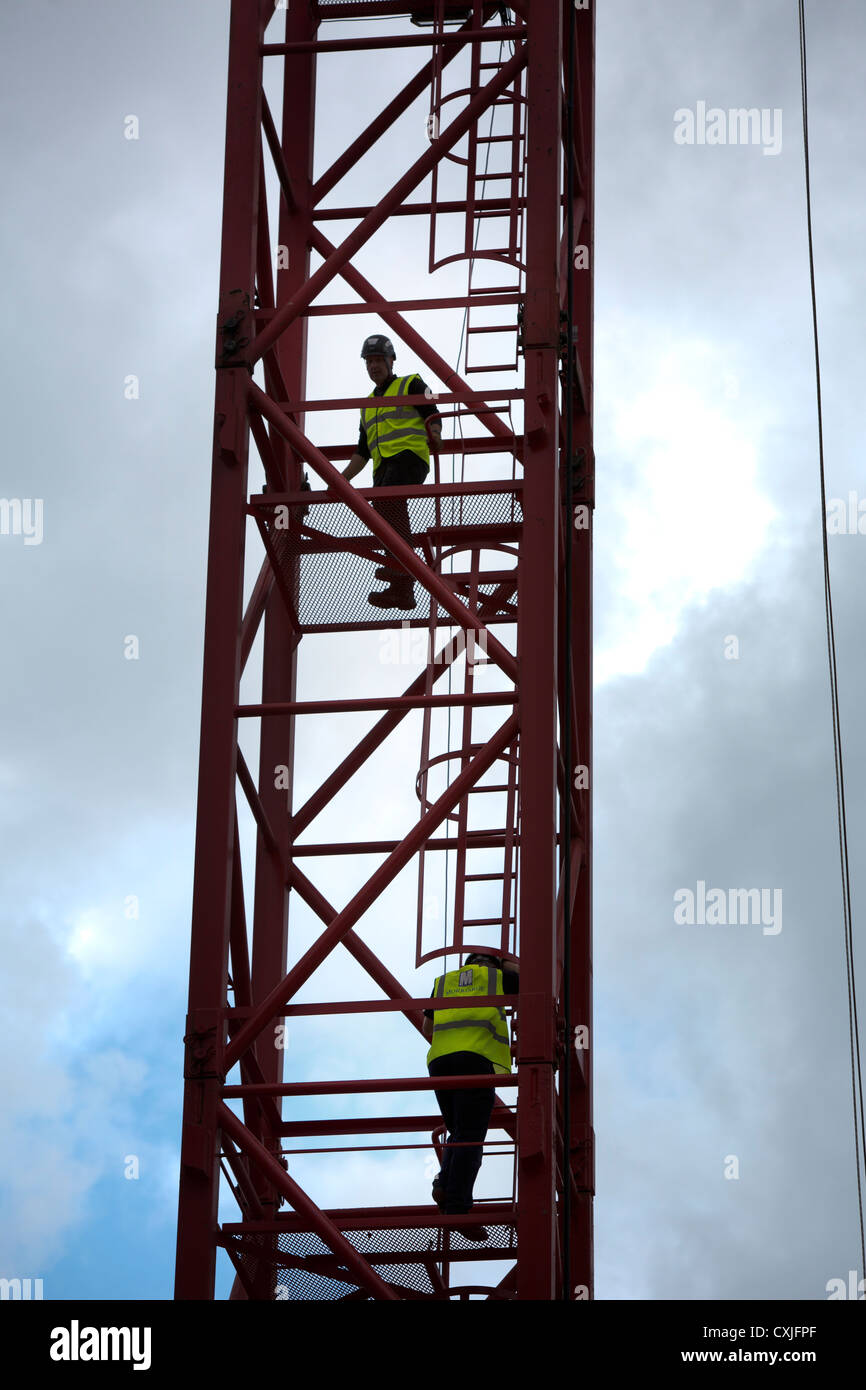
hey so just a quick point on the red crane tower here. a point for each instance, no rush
(501, 555)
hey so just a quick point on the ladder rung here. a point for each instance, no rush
(494, 139)
(485, 921)
(494, 328)
(493, 367)
(487, 878)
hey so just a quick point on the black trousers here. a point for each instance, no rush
(467, 1115)
(402, 470)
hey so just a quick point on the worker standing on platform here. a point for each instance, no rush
(396, 438)
(468, 1042)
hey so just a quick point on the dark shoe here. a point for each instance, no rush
(475, 1233)
(381, 598)
(395, 596)
(405, 595)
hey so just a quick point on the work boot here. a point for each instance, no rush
(477, 1234)
(398, 595)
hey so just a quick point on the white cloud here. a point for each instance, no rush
(683, 510)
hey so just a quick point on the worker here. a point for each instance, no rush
(396, 438)
(468, 1042)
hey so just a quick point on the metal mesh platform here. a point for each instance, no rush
(325, 557)
(405, 1258)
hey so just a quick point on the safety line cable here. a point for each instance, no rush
(853, 1023)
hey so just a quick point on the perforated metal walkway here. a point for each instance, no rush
(407, 1257)
(324, 557)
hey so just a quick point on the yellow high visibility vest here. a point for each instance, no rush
(393, 428)
(483, 1030)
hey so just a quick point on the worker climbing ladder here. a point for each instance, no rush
(504, 579)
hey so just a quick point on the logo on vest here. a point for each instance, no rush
(465, 978)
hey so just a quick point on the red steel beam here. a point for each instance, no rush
(348, 1088)
(285, 370)
(361, 1218)
(293, 499)
(496, 1147)
(479, 444)
(406, 702)
(255, 610)
(503, 205)
(404, 1124)
(538, 600)
(581, 1140)
(461, 36)
(357, 402)
(379, 9)
(199, 1180)
(474, 839)
(373, 1006)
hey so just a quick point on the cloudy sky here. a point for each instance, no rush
(725, 1155)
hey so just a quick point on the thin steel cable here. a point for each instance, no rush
(853, 1023)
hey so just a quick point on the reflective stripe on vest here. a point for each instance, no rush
(392, 428)
(482, 1030)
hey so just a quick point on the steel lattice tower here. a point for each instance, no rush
(502, 561)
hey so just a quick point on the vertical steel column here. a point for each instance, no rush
(279, 672)
(537, 1224)
(205, 1031)
(581, 1139)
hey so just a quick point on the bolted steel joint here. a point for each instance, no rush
(234, 315)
